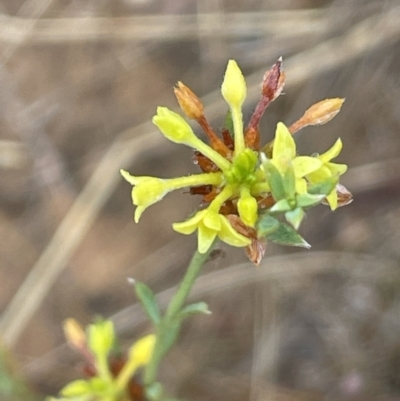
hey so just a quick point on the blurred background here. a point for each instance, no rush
(79, 83)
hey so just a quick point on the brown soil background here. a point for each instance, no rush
(79, 83)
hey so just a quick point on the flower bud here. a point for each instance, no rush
(142, 350)
(247, 207)
(323, 111)
(173, 126)
(101, 337)
(234, 86)
(74, 333)
(189, 102)
(318, 114)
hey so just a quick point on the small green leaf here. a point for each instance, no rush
(281, 206)
(275, 181)
(198, 307)
(295, 217)
(148, 301)
(324, 187)
(266, 225)
(307, 200)
(287, 235)
(289, 182)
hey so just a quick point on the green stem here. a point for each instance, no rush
(168, 322)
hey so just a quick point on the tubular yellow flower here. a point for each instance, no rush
(149, 190)
(146, 192)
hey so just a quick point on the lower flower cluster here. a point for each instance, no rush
(246, 187)
(109, 375)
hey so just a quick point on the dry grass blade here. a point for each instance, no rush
(163, 28)
(32, 9)
(278, 268)
(70, 232)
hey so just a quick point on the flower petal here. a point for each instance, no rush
(301, 186)
(320, 175)
(336, 169)
(212, 220)
(332, 152)
(230, 236)
(138, 213)
(304, 165)
(205, 238)
(284, 148)
(189, 226)
(332, 199)
(128, 177)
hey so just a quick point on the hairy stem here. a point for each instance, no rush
(170, 320)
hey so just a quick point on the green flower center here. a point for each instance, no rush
(243, 169)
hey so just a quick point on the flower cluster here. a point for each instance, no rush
(110, 376)
(244, 186)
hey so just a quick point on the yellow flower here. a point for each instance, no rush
(104, 385)
(328, 170)
(150, 190)
(211, 224)
(284, 158)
